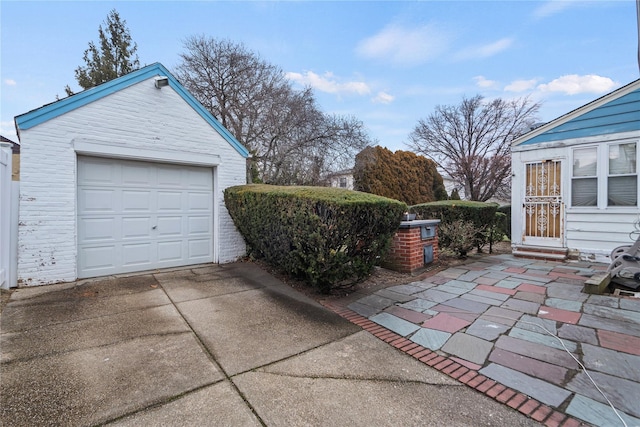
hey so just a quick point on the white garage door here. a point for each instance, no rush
(135, 216)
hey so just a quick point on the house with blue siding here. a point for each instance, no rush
(575, 185)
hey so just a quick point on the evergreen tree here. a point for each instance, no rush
(402, 175)
(115, 55)
(455, 195)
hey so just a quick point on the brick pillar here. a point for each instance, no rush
(407, 252)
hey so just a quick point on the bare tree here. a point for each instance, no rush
(471, 142)
(290, 139)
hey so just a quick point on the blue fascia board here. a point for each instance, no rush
(55, 109)
(618, 115)
(586, 132)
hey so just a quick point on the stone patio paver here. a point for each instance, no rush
(538, 389)
(597, 413)
(430, 338)
(486, 330)
(395, 324)
(499, 324)
(468, 347)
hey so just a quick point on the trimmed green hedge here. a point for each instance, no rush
(482, 215)
(328, 236)
(479, 213)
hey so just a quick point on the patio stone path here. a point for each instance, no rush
(506, 326)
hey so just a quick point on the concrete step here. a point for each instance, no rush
(541, 252)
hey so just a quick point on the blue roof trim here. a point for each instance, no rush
(621, 113)
(55, 109)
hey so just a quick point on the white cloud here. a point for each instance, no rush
(574, 84)
(551, 8)
(484, 83)
(405, 46)
(329, 83)
(521, 85)
(383, 98)
(484, 51)
(10, 82)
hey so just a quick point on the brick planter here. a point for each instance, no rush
(414, 246)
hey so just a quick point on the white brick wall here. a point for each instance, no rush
(140, 117)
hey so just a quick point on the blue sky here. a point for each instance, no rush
(388, 63)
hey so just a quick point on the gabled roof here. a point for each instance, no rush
(15, 147)
(618, 111)
(55, 109)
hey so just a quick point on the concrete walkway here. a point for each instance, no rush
(220, 345)
(505, 326)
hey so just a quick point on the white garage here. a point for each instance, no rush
(125, 177)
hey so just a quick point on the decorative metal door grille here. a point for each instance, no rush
(543, 200)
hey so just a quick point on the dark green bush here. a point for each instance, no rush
(495, 232)
(328, 236)
(482, 215)
(506, 222)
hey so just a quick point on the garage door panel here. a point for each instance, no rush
(98, 258)
(169, 201)
(199, 225)
(97, 172)
(170, 251)
(199, 248)
(199, 201)
(94, 200)
(196, 180)
(170, 226)
(170, 177)
(97, 229)
(136, 228)
(137, 201)
(137, 174)
(137, 254)
(135, 216)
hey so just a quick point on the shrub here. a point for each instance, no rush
(480, 214)
(457, 237)
(495, 231)
(328, 236)
(505, 225)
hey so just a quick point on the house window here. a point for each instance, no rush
(622, 188)
(584, 183)
(605, 175)
(343, 182)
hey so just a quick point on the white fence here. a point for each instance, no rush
(9, 193)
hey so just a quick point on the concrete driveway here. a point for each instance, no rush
(212, 345)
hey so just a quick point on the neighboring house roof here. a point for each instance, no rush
(55, 109)
(618, 111)
(15, 147)
(341, 173)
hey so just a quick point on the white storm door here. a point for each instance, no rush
(543, 207)
(136, 216)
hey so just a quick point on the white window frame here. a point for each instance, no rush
(602, 174)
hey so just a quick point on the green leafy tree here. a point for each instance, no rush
(455, 195)
(114, 56)
(402, 175)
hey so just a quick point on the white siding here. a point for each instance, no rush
(591, 232)
(143, 123)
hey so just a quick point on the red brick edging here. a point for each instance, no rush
(512, 398)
